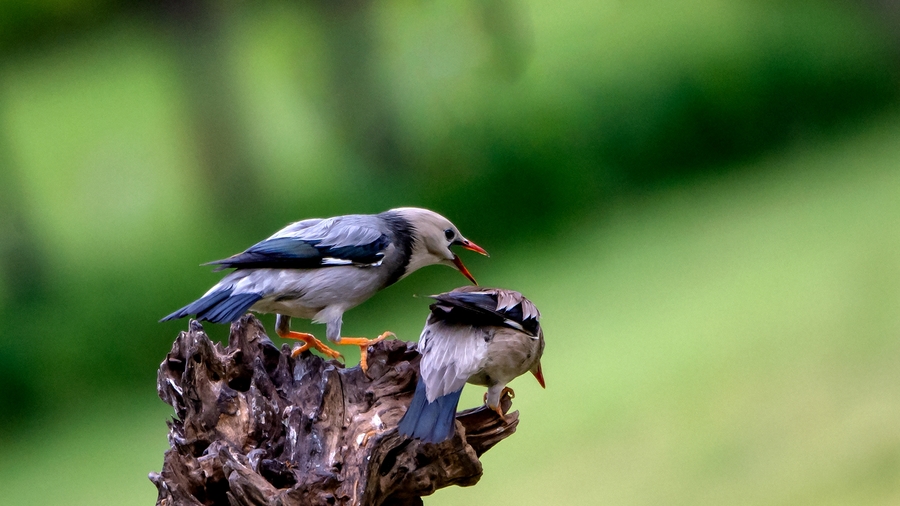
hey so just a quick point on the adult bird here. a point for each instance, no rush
(482, 336)
(319, 268)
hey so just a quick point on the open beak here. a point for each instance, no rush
(539, 375)
(462, 268)
(471, 246)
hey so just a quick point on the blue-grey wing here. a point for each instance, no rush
(480, 306)
(307, 244)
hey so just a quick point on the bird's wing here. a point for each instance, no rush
(450, 355)
(344, 240)
(478, 306)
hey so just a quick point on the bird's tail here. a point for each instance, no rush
(220, 306)
(432, 422)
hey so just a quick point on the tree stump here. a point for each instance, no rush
(253, 425)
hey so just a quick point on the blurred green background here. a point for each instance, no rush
(702, 197)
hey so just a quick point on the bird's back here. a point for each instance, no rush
(480, 335)
(478, 306)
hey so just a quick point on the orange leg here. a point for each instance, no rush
(309, 341)
(366, 437)
(497, 409)
(364, 344)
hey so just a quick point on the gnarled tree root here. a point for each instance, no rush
(254, 426)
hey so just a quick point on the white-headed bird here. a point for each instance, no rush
(482, 336)
(319, 268)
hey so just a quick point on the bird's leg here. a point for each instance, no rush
(366, 437)
(283, 329)
(497, 409)
(310, 341)
(363, 344)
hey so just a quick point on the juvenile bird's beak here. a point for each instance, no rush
(539, 375)
(462, 268)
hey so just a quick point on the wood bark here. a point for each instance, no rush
(253, 425)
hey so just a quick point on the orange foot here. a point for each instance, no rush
(309, 341)
(364, 344)
(366, 436)
(497, 409)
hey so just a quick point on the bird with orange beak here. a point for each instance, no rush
(320, 268)
(482, 336)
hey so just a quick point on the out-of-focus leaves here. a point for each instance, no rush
(513, 118)
(625, 94)
(24, 22)
(197, 31)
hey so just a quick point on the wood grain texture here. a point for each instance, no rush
(254, 426)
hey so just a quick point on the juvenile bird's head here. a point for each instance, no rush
(433, 235)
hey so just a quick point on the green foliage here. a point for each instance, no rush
(527, 124)
(618, 94)
(732, 341)
(510, 130)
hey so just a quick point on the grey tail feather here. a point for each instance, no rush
(218, 307)
(432, 422)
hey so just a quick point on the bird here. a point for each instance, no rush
(482, 336)
(318, 269)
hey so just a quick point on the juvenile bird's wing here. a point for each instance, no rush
(307, 244)
(450, 355)
(478, 306)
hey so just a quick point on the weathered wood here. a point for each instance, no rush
(254, 426)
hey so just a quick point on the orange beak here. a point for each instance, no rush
(471, 246)
(462, 268)
(539, 375)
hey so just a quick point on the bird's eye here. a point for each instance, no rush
(449, 234)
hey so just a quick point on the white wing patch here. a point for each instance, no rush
(336, 261)
(514, 324)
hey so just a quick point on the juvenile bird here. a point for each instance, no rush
(483, 336)
(319, 268)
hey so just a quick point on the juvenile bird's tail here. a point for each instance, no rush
(432, 422)
(218, 307)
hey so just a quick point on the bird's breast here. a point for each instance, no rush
(509, 354)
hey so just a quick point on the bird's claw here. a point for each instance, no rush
(299, 349)
(332, 354)
(383, 336)
(309, 341)
(366, 436)
(328, 352)
(497, 409)
(364, 344)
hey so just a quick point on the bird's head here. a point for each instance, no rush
(433, 236)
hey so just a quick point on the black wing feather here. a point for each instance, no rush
(311, 244)
(479, 307)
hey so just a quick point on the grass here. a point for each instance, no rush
(726, 341)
